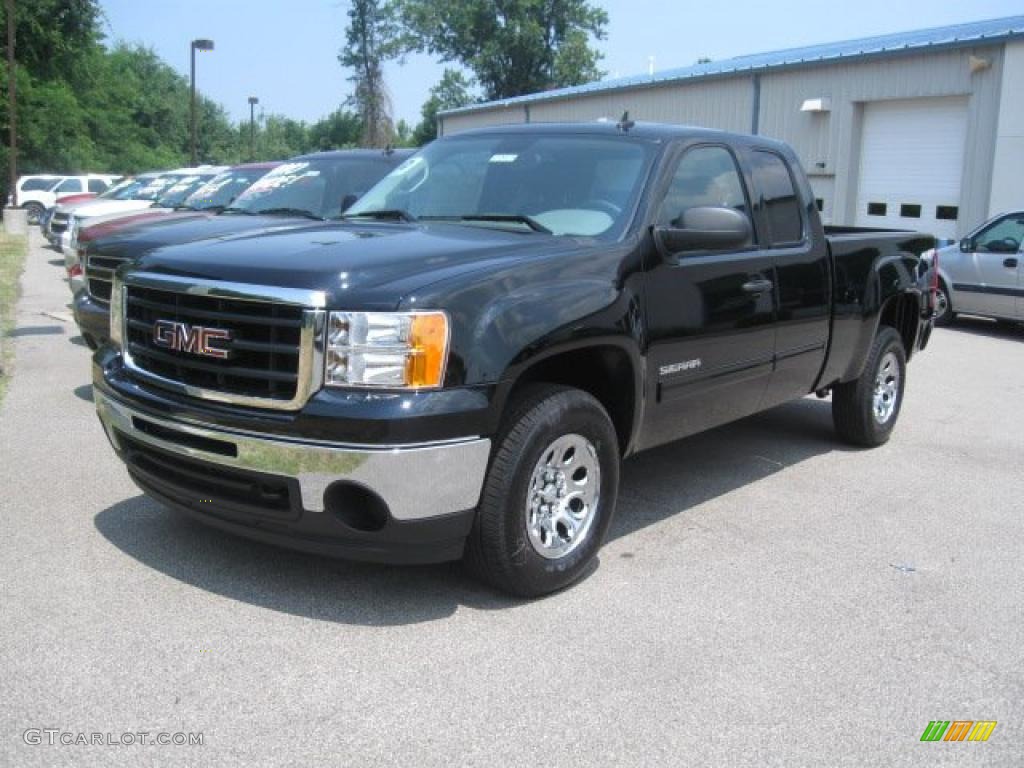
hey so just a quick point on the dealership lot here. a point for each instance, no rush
(768, 597)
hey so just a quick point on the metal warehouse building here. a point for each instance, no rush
(919, 130)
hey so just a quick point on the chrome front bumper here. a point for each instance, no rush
(415, 481)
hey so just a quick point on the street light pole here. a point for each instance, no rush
(12, 102)
(196, 45)
(253, 101)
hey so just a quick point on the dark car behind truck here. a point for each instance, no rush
(307, 188)
(457, 369)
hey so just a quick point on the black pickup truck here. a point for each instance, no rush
(457, 368)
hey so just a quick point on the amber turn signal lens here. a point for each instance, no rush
(428, 342)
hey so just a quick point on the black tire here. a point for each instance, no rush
(33, 211)
(942, 300)
(853, 403)
(500, 550)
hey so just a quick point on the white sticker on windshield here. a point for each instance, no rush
(503, 158)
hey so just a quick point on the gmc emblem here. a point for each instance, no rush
(194, 339)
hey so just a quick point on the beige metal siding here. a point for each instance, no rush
(827, 143)
(834, 138)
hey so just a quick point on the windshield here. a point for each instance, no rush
(319, 187)
(219, 191)
(153, 188)
(565, 184)
(123, 190)
(182, 187)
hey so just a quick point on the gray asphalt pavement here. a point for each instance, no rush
(767, 598)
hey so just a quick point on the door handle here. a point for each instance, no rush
(758, 286)
(1010, 263)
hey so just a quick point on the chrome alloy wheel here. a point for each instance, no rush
(562, 499)
(887, 388)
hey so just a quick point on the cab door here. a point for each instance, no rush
(801, 272)
(709, 313)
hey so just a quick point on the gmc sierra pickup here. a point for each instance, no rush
(457, 368)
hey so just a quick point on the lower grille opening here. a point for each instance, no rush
(220, 490)
(207, 444)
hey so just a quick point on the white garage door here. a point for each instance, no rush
(911, 163)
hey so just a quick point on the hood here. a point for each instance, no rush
(143, 236)
(130, 222)
(359, 266)
(107, 207)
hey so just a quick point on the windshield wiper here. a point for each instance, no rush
(515, 218)
(288, 212)
(393, 214)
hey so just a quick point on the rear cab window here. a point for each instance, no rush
(778, 199)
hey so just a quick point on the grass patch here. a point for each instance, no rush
(12, 259)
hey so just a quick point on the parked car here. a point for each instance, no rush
(304, 189)
(983, 273)
(123, 190)
(459, 366)
(37, 193)
(170, 186)
(208, 196)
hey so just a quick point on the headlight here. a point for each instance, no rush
(386, 349)
(116, 312)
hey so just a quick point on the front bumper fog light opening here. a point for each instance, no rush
(356, 506)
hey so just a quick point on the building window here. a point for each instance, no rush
(877, 209)
(947, 212)
(819, 203)
(910, 211)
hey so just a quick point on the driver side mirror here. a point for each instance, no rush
(704, 229)
(966, 245)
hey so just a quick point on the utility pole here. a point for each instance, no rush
(253, 101)
(12, 103)
(195, 45)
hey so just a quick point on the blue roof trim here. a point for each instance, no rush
(992, 30)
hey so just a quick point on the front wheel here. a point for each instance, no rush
(865, 410)
(943, 306)
(549, 495)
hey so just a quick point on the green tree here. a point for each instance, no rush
(371, 38)
(339, 130)
(513, 47)
(452, 91)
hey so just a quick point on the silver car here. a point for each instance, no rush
(982, 274)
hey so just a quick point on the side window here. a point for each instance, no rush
(774, 183)
(705, 177)
(69, 185)
(1003, 236)
(97, 185)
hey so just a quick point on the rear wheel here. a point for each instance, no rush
(865, 410)
(549, 495)
(33, 211)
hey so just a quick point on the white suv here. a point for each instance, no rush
(37, 193)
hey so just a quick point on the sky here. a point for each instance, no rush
(285, 51)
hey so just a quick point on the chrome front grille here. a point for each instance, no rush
(273, 356)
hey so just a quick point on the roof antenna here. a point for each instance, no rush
(625, 123)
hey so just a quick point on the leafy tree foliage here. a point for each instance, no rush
(511, 46)
(453, 90)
